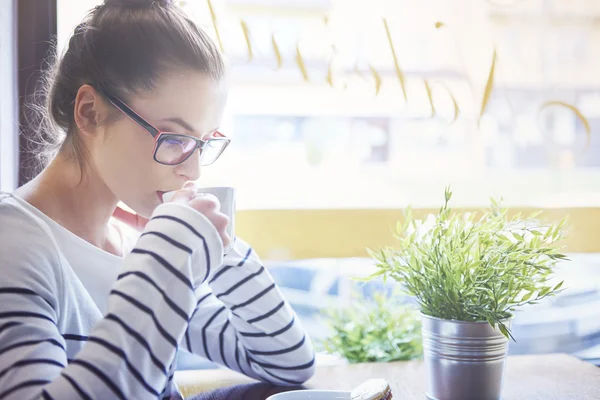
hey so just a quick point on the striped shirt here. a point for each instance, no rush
(79, 323)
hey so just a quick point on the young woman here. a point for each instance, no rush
(138, 96)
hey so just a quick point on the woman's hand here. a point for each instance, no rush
(206, 204)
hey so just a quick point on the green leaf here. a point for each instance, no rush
(549, 232)
(534, 215)
(558, 286)
(517, 236)
(527, 296)
(447, 194)
(506, 332)
(504, 238)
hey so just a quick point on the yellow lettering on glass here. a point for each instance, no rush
(429, 97)
(247, 38)
(213, 16)
(300, 62)
(278, 56)
(579, 114)
(489, 87)
(399, 72)
(377, 78)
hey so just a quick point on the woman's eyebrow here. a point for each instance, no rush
(180, 122)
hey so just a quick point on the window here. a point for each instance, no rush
(300, 144)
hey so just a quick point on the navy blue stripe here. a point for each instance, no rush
(167, 385)
(191, 228)
(248, 358)
(292, 382)
(162, 394)
(100, 375)
(14, 314)
(226, 268)
(23, 385)
(166, 264)
(280, 367)
(188, 341)
(253, 299)
(235, 314)
(220, 272)
(222, 343)
(276, 333)
(31, 342)
(237, 354)
(46, 396)
(204, 341)
(170, 240)
(77, 388)
(71, 336)
(148, 311)
(25, 291)
(137, 375)
(279, 352)
(178, 310)
(202, 299)
(267, 315)
(240, 283)
(245, 257)
(9, 325)
(140, 340)
(171, 375)
(31, 361)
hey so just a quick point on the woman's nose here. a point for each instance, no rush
(190, 168)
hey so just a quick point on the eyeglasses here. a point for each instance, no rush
(174, 148)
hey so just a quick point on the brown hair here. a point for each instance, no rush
(122, 46)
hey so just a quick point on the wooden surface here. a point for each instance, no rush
(544, 377)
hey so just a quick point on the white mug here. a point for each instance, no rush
(226, 196)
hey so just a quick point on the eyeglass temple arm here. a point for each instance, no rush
(135, 117)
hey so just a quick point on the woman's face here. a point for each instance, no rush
(190, 103)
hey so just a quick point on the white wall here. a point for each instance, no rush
(9, 154)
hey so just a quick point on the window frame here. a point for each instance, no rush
(36, 39)
(9, 110)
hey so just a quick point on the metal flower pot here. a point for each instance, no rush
(463, 360)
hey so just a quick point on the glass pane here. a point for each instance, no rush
(173, 149)
(212, 150)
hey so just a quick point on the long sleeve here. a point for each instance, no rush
(243, 322)
(127, 353)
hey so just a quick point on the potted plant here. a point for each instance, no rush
(469, 274)
(377, 330)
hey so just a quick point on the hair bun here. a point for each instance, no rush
(138, 3)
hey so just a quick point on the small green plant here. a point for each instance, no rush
(468, 268)
(375, 331)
